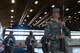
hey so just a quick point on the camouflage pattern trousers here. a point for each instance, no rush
(55, 47)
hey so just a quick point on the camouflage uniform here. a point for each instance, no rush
(52, 32)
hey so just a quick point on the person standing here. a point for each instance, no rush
(9, 43)
(30, 42)
(56, 30)
(45, 44)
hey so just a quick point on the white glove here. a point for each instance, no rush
(10, 39)
(7, 44)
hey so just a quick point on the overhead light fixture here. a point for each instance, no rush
(12, 10)
(51, 19)
(45, 12)
(77, 18)
(12, 1)
(69, 16)
(75, 13)
(36, 21)
(31, 10)
(36, 2)
(27, 15)
(67, 9)
(11, 24)
(79, 12)
(40, 17)
(11, 20)
(25, 20)
(79, 1)
(53, 6)
(11, 16)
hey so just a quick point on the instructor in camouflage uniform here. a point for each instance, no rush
(56, 30)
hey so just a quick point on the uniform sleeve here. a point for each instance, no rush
(4, 41)
(14, 41)
(47, 33)
(42, 40)
(67, 32)
(34, 39)
(26, 41)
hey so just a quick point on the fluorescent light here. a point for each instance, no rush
(11, 16)
(40, 17)
(67, 9)
(75, 33)
(38, 33)
(7, 32)
(12, 1)
(69, 16)
(38, 37)
(31, 10)
(77, 18)
(25, 33)
(12, 10)
(36, 2)
(53, 6)
(46, 22)
(51, 19)
(36, 21)
(11, 21)
(21, 33)
(79, 12)
(24, 30)
(27, 15)
(75, 37)
(20, 37)
(45, 12)
(79, 1)
(25, 20)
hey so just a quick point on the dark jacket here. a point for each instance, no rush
(9, 40)
(30, 40)
(44, 40)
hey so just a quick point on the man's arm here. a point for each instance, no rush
(47, 32)
(27, 40)
(67, 32)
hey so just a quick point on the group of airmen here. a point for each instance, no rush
(55, 34)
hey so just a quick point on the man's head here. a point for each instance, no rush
(11, 33)
(56, 13)
(31, 33)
